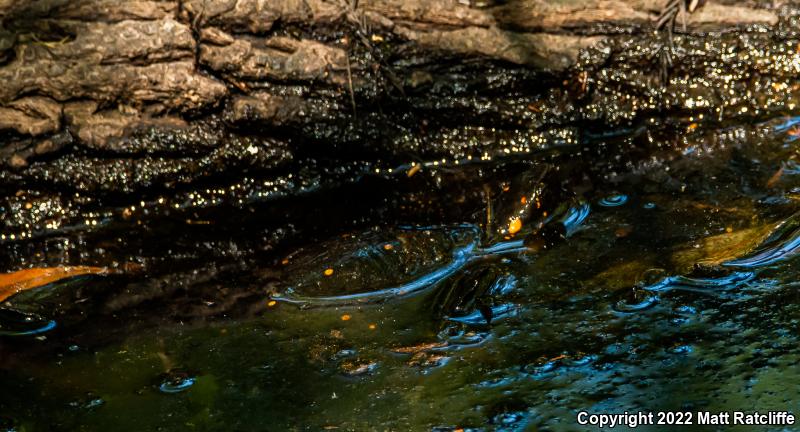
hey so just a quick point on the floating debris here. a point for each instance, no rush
(355, 368)
(23, 280)
(419, 348)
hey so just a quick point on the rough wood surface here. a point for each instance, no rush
(148, 59)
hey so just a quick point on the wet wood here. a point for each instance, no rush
(142, 62)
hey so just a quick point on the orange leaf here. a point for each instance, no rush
(23, 280)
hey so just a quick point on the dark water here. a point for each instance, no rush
(647, 269)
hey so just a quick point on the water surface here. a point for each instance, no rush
(648, 269)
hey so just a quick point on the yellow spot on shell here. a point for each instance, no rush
(373, 326)
(523, 200)
(514, 226)
(388, 246)
(414, 169)
(272, 303)
(346, 317)
(328, 272)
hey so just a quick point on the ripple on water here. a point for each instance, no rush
(575, 217)
(457, 336)
(782, 244)
(17, 323)
(681, 349)
(90, 402)
(703, 285)
(580, 361)
(615, 200)
(625, 306)
(175, 382)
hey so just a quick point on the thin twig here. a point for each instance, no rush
(350, 85)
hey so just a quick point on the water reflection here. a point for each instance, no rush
(688, 290)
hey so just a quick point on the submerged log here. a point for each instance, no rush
(108, 103)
